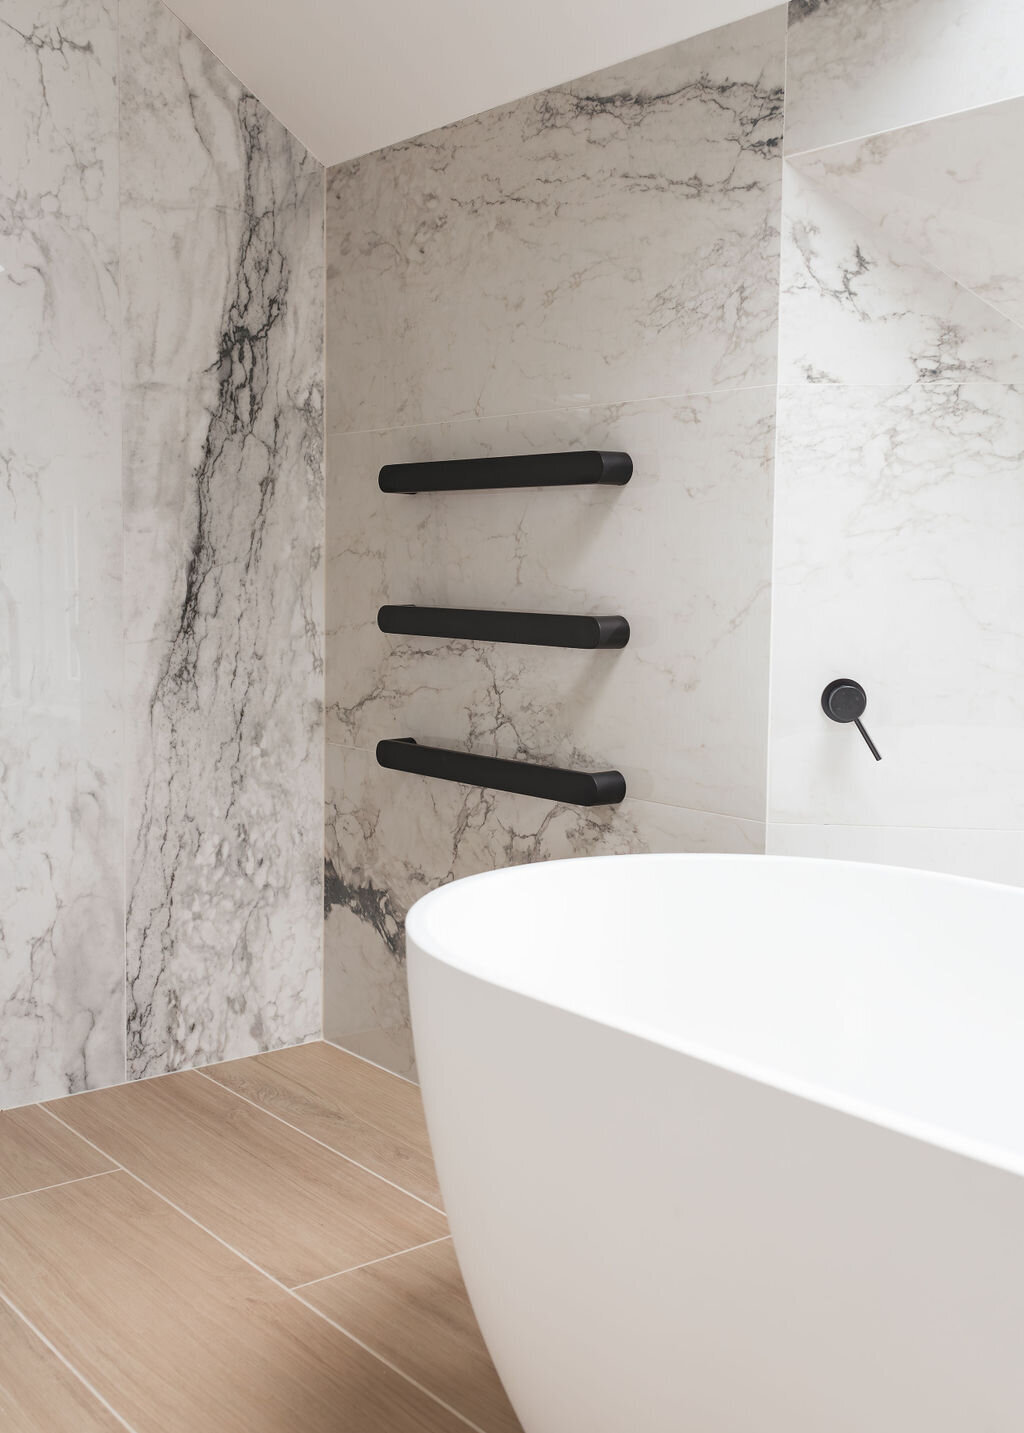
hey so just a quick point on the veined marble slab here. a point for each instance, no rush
(899, 529)
(613, 238)
(946, 191)
(865, 302)
(857, 67)
(61, 899)
(392, 837)
(683, 552)
(222, 304)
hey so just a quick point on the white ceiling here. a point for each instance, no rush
(348, 76)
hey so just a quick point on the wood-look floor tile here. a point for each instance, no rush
(38, 1394)
(35, 1152)
(293, 1207)
(414, 1310)
(366, 1113)
(178, 1333)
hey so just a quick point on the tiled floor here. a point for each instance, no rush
(258, 1247)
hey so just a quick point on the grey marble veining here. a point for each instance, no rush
(864, 304)
(942, 191)
(683, 551)
(857, 67)
(224, 531)
(613, 238)
(61, 937)
(392, 837)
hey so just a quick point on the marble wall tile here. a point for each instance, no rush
(940, 190)
(980, 855)
(858, 67)
(392, 837)
(61, 937)
(899, 528)
(683, 551)
(222, 305)
(613, 238)
(862, 304)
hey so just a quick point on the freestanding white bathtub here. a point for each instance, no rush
(733, 1144)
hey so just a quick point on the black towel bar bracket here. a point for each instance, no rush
(536, 629)
(531, 470)
(550, 783)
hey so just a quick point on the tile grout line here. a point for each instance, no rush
(384, 1258)
(406, 1079)
(61, 1358)
(59, 1184)
(408, 1378)
(346, 1157)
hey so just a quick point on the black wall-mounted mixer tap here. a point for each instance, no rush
(845, 700)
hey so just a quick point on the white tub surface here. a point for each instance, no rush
(733, 1143)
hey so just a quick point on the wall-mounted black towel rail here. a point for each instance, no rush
(536, 629)
(552, 783)
(531, 470)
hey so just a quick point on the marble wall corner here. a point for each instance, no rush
(858, 67)
(222, 305)
(391, 837)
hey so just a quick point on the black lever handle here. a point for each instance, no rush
(845, 700)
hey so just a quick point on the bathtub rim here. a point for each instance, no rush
(424, 945)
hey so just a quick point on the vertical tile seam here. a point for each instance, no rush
(123, 786)
(291, 1293)
(775, 443)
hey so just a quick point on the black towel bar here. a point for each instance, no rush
(531, 470)
(551, 783)
(537, 629)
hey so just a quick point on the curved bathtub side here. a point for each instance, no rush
(654, 1243)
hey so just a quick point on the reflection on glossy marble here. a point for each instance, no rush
(683, 551)
(941, 190)
(864, 304)
(223, 542)
(613, 238)
(856, 67)
(392, 837)
(899, 529)
(61, 941)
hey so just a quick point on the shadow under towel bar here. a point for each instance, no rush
(551, 783)
(531, 470)
(536, 629)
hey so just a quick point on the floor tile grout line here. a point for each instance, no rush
(62, 1358)
(365, 1058)
(346, 1157)
(58, 1184)
(384, 1258)
(408, 1378)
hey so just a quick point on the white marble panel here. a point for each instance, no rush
(222, 305)
(61, 897)
(944, 191)
(898, 539)
(980, 855)
(858, 67)
(392, 837)
(862, 304)
(682, 551)
(612, 238)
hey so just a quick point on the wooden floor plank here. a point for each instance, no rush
(36, 1152)
(296, 1209)
(38, 1394)
(414, 1310)
(368, 1114)
(178, 1333)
